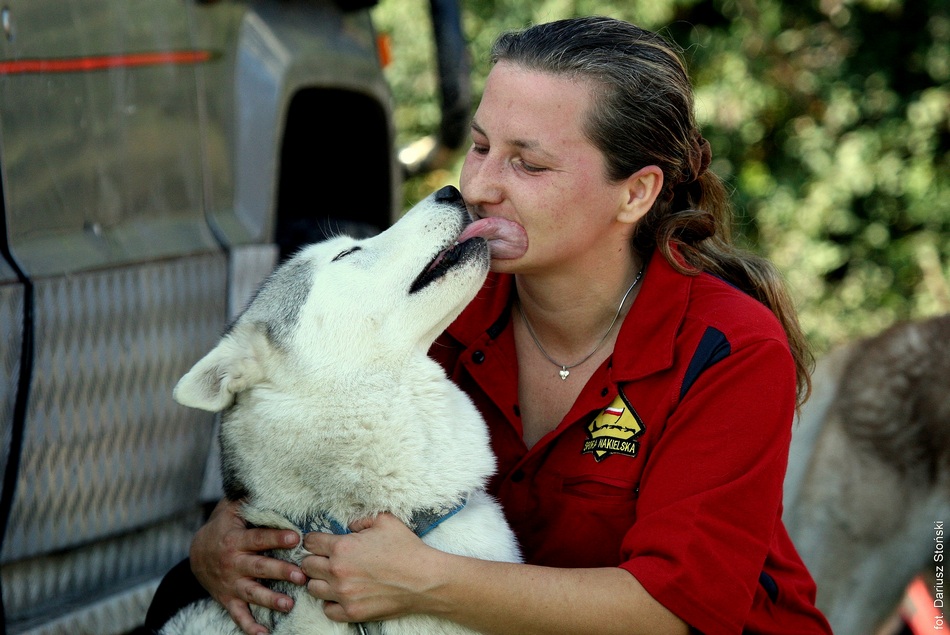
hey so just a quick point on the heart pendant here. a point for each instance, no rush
(564, 373)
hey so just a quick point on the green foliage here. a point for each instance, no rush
(830, 119)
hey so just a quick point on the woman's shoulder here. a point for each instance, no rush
(704, 300)
(742, 318)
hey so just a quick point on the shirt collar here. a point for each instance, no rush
(487, 313)
(647, 335)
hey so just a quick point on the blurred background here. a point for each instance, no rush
(830, 119)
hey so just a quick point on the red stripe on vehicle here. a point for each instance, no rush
(102, 62)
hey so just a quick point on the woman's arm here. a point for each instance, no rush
(226, 559)
(383, 570)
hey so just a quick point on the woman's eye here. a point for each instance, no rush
(345, 252)
(530, 168)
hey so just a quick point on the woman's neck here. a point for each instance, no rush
(570, 313)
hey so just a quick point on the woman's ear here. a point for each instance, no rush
(641, 189)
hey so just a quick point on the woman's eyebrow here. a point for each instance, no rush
(524, 144)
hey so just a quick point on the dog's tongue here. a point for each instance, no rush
(506, 239)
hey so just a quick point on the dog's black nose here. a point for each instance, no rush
(448, 194)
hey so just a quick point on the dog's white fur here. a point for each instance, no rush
(331, 405)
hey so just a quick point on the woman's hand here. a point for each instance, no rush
(226, 559)
(382, 571)
(379, 571)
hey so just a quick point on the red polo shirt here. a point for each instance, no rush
(669, 465)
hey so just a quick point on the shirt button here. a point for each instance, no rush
(517, 476)
(478, 357)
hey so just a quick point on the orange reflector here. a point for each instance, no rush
(920, 610)
(384, 47)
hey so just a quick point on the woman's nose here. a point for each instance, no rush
(480, 181)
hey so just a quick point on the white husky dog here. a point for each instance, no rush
(333, 411)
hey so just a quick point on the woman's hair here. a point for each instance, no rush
(643, 115)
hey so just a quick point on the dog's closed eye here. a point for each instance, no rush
(345, 252)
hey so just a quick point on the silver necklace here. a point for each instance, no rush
(566, 368)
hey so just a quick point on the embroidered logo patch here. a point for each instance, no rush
(614, 431)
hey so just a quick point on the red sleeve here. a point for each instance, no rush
(710, 494)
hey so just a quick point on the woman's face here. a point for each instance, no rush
(531, 163)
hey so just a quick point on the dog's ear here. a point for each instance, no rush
(231, 367)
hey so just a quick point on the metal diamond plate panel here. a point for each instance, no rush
(11, 338)
(106, 450)
(249, 265)
(116, 616)
(86, 590)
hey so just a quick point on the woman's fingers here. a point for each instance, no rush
(227, 559)
(370, 574)
(262, 539)
(240, 612)
(259, 567)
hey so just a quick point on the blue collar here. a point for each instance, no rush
(421, 522)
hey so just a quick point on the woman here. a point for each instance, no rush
(638, 374)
